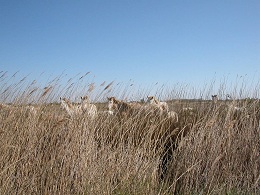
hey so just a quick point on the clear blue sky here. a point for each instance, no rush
(173, 41)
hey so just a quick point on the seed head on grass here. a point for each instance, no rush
(23, 79)
(3, 74)
(84, 75)
(109, 85)
(33, 82)
(102, 84)
(46, 90)
(34, 90)
(91, 87)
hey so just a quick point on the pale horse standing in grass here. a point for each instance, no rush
(71, 109)
(118, 107)
(214, 99)
(84, 108)
(88, 108)
(163, 107)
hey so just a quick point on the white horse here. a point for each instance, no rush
(87, 107)
(71, 109)
(163, 106)
(214, 98)
(120, 107)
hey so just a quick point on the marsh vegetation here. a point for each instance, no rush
(213, 148)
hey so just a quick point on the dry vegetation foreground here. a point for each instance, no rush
(208, 151)
(212, 149)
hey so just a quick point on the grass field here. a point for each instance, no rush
(210, 150)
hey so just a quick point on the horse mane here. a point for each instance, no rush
(154, 98)
(68, 103)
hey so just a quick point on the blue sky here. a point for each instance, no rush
(148, 41)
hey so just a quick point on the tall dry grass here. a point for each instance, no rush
(211, 150)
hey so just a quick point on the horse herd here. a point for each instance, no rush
(152, 105)
(89, 110)
(118, 107)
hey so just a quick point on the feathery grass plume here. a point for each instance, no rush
(84, 75)
(69, 80)
(91, 87)
(23, 79)
(71, 85)
(109, 85)
(15, 74)
(102, 84)
(8, 88)
(2, 76)
(34, 90)
(33, 82)
(46, 91)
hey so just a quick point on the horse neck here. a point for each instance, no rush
(68, 107)
(156, 101)
(85, 104)
(85, 101)
(111, 106)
